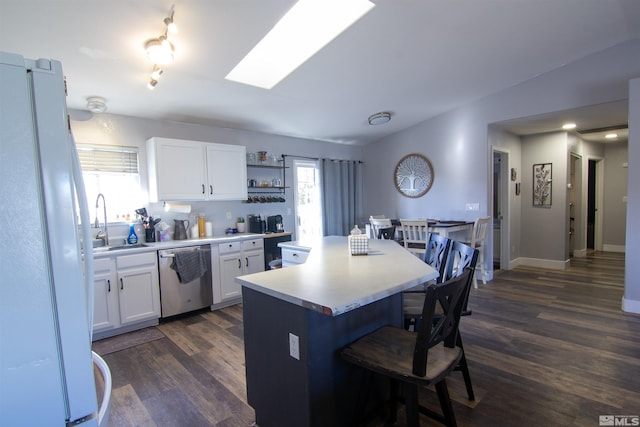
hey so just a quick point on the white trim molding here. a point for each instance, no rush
(540, 263)
(614, 248)
(630, 306)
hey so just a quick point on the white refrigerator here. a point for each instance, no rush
(46, 363)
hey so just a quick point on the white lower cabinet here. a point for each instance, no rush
(236, 259)
(294, 256)
(105, 296)
(126, 291)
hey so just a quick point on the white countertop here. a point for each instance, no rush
(332, 281)
(169, 244)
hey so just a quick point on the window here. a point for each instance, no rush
(112, 171)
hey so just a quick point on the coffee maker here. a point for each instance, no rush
(274, 224)
(256, 224)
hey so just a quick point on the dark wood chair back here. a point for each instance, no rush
(460, 257)
(437, 254)
(442, 325)
(388, 233)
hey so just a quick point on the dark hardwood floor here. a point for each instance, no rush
(545, 348)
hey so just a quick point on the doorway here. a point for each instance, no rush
(500, 209)
(308, 203)
(594, 203)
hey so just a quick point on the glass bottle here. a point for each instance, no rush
(201, 226)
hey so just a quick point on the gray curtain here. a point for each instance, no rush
(341, 195)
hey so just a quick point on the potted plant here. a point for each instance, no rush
(240, 224)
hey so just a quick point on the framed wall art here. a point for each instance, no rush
(413, 175)
(542, 184)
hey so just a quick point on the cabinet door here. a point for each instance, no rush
(253, 261)
(177, 170)
(226, 172)
(230, 268)
(139, 294)
(105, 296)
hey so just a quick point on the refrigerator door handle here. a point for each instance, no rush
(83, 206)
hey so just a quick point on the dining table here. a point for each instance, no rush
(446, 228)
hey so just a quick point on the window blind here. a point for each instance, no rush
(108, 159)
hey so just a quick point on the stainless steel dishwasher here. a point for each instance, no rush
(176, 297)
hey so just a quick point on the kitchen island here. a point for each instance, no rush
(297, 319)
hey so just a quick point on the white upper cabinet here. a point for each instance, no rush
(226, 172)
(193, 170)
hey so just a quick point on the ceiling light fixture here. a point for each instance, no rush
(568, 126)
(611, 136)
(305, 29)
(168, 21)
(95, 104)
(156, 73)
(160, 51)
(379, 118)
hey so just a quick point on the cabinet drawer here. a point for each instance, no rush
(136, 260)
(225, 248)
(248, 245)
(102, 265)
(292, 256)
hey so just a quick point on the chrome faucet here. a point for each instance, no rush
(103, 235)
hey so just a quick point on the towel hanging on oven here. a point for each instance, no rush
(189, 265)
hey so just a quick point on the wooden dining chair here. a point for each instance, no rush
(462, 257)
(436, 256)
(377, 224)
(459, 256)
(477, 240)
(414, 235)
(387, 233)
(418, 359)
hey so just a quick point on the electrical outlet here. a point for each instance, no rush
(472, 207)
(228, 215)
(294, 346)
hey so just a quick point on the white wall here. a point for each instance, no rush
(458, 145)
(631, 301)
(112, 129)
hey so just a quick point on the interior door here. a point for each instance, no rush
(503, 177)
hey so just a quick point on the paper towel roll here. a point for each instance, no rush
(208, 229)
(194, 231)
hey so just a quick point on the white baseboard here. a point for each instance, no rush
(579, 253)
(540, 263)
(614, 248)
(630, 306)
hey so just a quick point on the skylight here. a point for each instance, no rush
(305, 29)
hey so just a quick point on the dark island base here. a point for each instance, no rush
(320, 389)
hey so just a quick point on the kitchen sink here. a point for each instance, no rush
(119, 247)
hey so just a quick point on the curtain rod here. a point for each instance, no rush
(319, 158)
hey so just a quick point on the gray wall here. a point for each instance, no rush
(458, 143)
(615, 189)
(111, 129)
(544, 227)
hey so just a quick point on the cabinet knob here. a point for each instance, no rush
(108, 285)
(210, 189)
(202, 188)
(121, 284)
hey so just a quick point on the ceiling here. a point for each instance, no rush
(413, 58)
